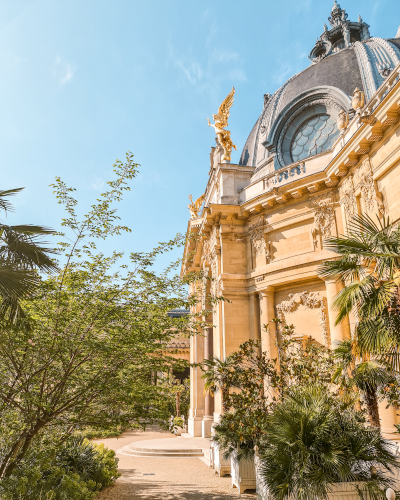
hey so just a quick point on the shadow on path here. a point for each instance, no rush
(132, 485)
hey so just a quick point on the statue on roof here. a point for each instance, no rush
(194, 208)
(221, 121)
(338, 15)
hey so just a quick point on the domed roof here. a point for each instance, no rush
(343, 58)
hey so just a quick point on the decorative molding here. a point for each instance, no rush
(258, 243)
(324, 216)
(311, 300)
(348, 197)
(328, 102)
(364, 180)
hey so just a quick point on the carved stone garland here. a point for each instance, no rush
(349, 197)
(311, 300)
(324, 217)
(257, 240)
(364, 178)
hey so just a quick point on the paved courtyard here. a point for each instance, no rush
(155, 478)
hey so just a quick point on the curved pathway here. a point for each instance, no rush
(167, 478)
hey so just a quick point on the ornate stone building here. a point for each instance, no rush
(326, 146)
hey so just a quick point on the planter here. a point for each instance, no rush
(261, 487)
(218, 462)
(339, 491)
(243, 474)
(344, 491)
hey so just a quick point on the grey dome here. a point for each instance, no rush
(323, 87)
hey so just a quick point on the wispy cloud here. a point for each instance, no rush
(191, 69)
(219, 64)
(287, 69)
(63, 71)
(97, 183)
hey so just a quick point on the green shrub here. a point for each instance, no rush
(93, 433)
(90, 461)
(77, 470)
(314, 439)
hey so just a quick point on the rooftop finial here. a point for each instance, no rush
(360, 19)
(338, 15)
(325, 27)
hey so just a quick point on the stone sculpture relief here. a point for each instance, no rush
(258, 243)
(363, 178)
(348, 197)
(311, 300)
(324, 216)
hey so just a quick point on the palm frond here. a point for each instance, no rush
(4, 203)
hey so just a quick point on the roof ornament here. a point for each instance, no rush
(266, 99)
(360, 19)
(338, 15)
(325, 27)
(194, 208)
(398, 33)
(221, 121)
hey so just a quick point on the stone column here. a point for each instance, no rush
(342, 330)
(208, 418)
(196, 410)
(254, 314)
(267, 313)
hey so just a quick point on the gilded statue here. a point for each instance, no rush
(195, 207)
(221, 121)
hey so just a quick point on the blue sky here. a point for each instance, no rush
(83, 81)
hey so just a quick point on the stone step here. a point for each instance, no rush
(143, 452)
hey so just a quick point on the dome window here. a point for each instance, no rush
(315, 135)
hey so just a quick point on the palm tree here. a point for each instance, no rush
(22, 254)
(367, 375)
(314, 439)
(370, 267)
(217, 376)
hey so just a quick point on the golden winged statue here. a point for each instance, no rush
(221, 121)
(195, 207)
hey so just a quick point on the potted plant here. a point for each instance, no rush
(177, 425)
(235, 436)
(317, 446)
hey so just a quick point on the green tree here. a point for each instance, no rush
(369, 265)
(315, 439)
(258, 384)
(22, 254)
(367, 375)
(95, 332)
(218, 377)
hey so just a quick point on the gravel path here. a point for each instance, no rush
(164, 478)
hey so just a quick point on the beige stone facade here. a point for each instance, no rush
(261, 237)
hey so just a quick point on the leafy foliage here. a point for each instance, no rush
(315, 439)
(76, 470)
(254, 385)
(94, 335)
(370, 267)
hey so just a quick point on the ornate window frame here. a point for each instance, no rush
(319, 100)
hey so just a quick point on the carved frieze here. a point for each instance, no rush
(324, 216)
(311, 300)
(258, 243)
(363, 179)
(348, 197)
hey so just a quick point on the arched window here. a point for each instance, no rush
(313, 136)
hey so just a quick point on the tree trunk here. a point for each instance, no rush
(19, 450)
(372, 407)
